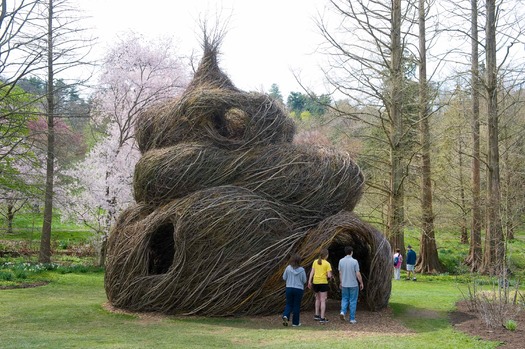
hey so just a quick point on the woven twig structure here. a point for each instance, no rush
(224, 198)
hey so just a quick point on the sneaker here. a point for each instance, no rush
(414, 279)
(353, 322)
(296, 325)
(317, 317)
(285, 321)
(342, 317)
(323, 320)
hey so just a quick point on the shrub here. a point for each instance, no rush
(451, 261)
(63, 244)
(20, 274)
(497, 304)
(6, 276)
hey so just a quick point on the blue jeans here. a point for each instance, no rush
(294, 296)
(349, 298)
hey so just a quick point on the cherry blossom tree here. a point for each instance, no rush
(100, 184)
(136, 74)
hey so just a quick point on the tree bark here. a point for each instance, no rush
(509, 200)
(396, 200)
(10, 217)
(493, 258)
(475, 254)
(45, 242)
(464, 230)
(428, 261)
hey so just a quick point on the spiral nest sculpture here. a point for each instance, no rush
(223, 198)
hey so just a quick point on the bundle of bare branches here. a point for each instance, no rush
(312, 182)
(213, 111)
(224, 198)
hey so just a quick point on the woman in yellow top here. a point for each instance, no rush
(318, 282)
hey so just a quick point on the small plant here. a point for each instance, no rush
(21, 274)
(63, 244)
(6, 276)
(511, 325)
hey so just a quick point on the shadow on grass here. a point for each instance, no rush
(421, 319)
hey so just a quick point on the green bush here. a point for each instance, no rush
(63, 244)
(20, 274)
(451, 260)
(16, 273)
(6, 276)
(79, 269)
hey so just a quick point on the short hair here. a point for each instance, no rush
(349, 249)
(398, 250)
(409, 246)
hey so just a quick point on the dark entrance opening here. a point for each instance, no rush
(161, 249)
(337, 251)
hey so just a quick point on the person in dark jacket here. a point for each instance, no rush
(295, 278)
(411, 263)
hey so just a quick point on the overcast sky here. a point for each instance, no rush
(266, 40)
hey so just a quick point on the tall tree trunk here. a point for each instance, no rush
(428, 261)
(396, 208)
(110, 215)
(10, 217)
(464, 230)
(45, 242)
(475, 254)
(508, 197)
(493, 257)
(510, 204)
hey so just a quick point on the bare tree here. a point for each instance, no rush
(45, 242)
(503, 24)
(66, 47)
(494, 254)
(17, 19)
(512, 140)
(396, 211)
(366, 52)
(474, 257)
(428, 261)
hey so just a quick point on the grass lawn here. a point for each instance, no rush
(69, 313)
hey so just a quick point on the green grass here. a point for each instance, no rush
(27, 226)
(452, 253)
(69, 313)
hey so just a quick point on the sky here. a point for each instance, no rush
(266, 41)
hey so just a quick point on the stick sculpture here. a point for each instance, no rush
(223, 197)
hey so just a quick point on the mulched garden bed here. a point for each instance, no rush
(471, 323)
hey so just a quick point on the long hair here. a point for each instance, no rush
(295, 261)
(322, 255)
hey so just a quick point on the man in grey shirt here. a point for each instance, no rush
(351, 283)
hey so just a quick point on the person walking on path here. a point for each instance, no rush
(411, 263)
(398, 261)
(318, 282)
(351, 283)
(295, 278)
